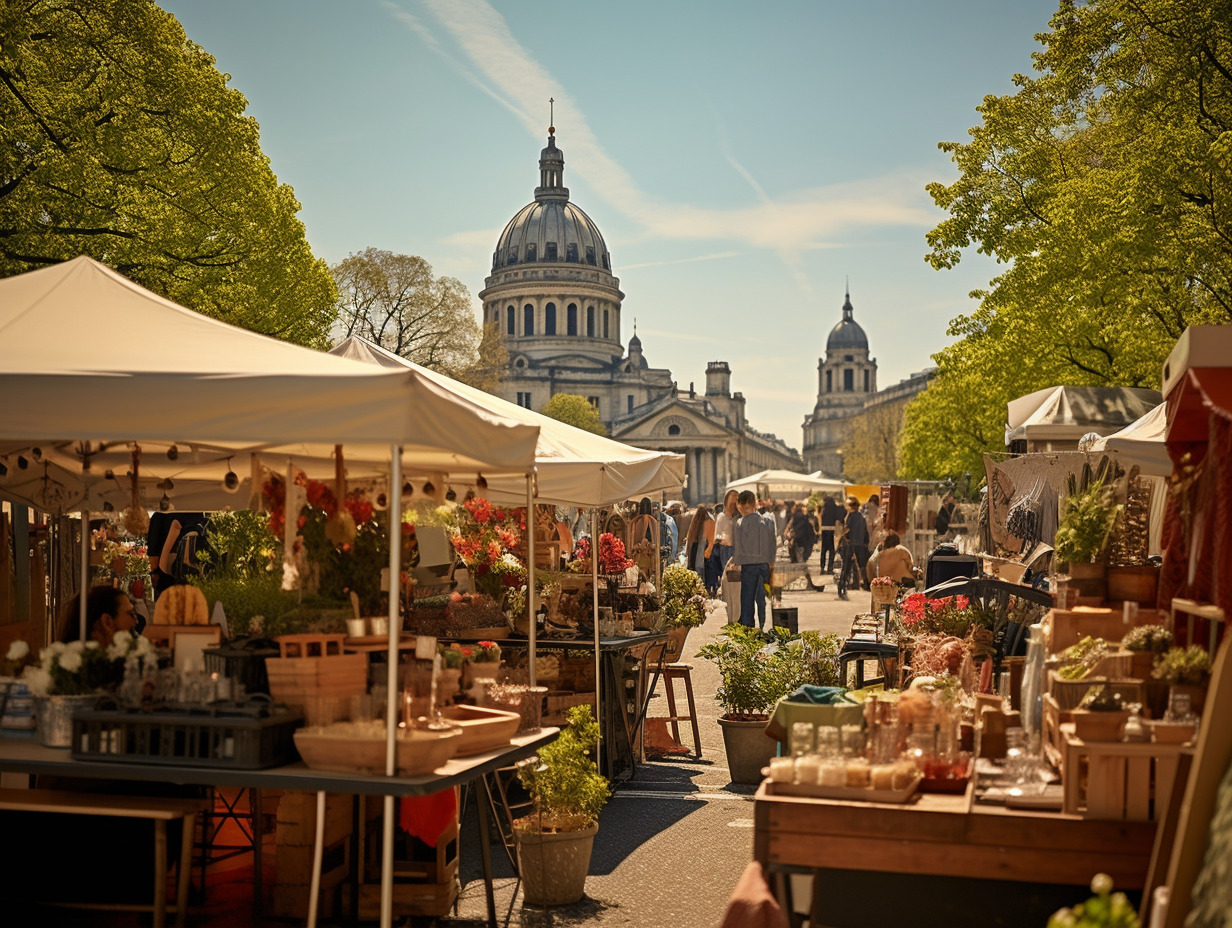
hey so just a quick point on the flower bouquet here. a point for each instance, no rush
(884, 592)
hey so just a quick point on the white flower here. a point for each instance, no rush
(1101, 884)
(17, 650)
(70, 661)
(92, 644)
(56, 647)
(76, 647)
(38, 681)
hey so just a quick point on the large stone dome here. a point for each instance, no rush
(847, 335)
(551, 229)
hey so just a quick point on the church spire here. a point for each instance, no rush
(848, 309)
(551, 164)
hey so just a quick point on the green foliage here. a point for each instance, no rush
(1101, 184)
(120, 139)
(1154, 638)
(240, 545)
(1186, 666)
(1102, 698)
(245, 597)
(356, 566)
(574, 410)
(1087, 520)
(755, 673)
(565, 785)
(1105, 909)
(684, 597)
(396, 302)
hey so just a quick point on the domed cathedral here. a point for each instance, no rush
(558, 305)
(553, 295)
(846, 378)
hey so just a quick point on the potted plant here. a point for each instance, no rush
(754, 674)
(1101, 716)
(1145, 643)
(684, 606)
(1088, 516)
(1186, 671)
(568, 792)
(1105, 909)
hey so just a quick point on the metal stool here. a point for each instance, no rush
(681, 671)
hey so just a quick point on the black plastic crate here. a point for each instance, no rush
(244, 660)
(235, 737)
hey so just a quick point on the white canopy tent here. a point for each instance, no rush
(575, 467)
(776, 482)
(1055, 418)
(1142, 442)
(70, 378)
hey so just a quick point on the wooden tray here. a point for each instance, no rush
(418, 752)
(483, 729)
(864, 794)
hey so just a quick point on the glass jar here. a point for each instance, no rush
(803, 738)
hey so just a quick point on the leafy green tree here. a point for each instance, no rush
(398, 303)
(120, 139)
(870, 445)
(1103, 184)
(574, 410)
(491, 361)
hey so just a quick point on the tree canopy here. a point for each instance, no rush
(1103, 184)
(574, 410)
(398, 303)
(120, 139)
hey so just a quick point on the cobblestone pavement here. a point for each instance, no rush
(673, 841)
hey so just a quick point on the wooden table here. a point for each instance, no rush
(944, 836)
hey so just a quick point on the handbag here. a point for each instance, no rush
(732, 573)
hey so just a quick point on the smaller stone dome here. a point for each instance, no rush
(847, 335)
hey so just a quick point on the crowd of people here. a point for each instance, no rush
(733, 546)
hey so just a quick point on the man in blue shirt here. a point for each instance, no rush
(855, 548)
(755, 540)
(670, 533)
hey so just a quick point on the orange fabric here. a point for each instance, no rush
(427, 817)
(752, 904)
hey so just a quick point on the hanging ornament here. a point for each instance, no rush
(231, 482)
(451, 495)
(407, 489)
(22, 463)
(481, 483)
(4, 468)
(429, 488)
(164, 504)
(108, 506)
(172, 453)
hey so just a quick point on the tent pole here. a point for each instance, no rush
(391, 681)
(594, 587)
(85, 570)
(530, 571)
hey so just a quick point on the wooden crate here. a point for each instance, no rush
(294, 680)
(1052, 734)
(1118, 780)
(1069, 693)
(293, 878)
(425, 883)
(310, 645)
(1069, 626)
(557, 704)
(416, 899)
(297, 816)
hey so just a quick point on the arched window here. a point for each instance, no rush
(571, 319)
(866, 381)
(509, 321)
(531, 248)
(605, 331)
(590, 319)
(549, 319)
(528, 319)
(673, 430)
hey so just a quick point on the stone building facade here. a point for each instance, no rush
(552, 292)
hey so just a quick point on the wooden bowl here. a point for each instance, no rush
(332, 747)
(483, 729)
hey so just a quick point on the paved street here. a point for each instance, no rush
(673, 841)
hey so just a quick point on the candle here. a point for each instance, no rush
(808, 769)
(781, 769)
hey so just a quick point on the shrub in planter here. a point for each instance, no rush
(1189, 666)
(1089, 514)
(684, 597)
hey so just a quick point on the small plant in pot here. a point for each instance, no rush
(1186, 671)
(1101, 716)
(555, 842)
(684, 606)
(754, 674)
(1145, 644)
(1089, 515)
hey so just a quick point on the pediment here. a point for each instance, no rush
(674, 421)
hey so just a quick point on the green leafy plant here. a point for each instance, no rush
(1154, 638)
(1105, 909)
(1189, 666)
(240, 545)
(1102, 699)
(243, 598)
(1088, 516)
(563, 782)
(684, 597)
(757, 670)
(1080, 659)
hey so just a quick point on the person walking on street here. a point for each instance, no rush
(830, 515)
(699, 544)
(856, 540)
(802, 535)
(755, 543)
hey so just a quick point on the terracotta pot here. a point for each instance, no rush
(1090, 580)
(553, 867)
(1133, 584)
(748, 749)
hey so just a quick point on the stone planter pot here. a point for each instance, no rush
(748, 749)
(553, 867)
(55, 718)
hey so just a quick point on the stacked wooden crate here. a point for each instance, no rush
(312, 673)
(296, 830)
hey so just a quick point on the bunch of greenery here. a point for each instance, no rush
(240, 545)
(1186, 666)
(243, 598)
(1102, 699)
(819, 659)
(1154, 638)
(564, 784)
(1105, 909)
(1088, 517)
(756, 670)
(683, 597)
(1080, 659)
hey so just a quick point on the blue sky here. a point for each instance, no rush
(741, 160)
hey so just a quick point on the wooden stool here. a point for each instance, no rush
(679, 671)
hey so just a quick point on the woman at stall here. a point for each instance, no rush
(109, 612)
(699, 543)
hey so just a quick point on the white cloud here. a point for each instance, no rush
(710, 257)
(803, 220)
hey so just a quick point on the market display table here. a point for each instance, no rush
(629, 669)
(159, 811)
(944, 836)
(24, 755)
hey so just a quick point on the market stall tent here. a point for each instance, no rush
(781, 482)
(1141, 443)
(575, 467)
(75, 385)
(1055, 418)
